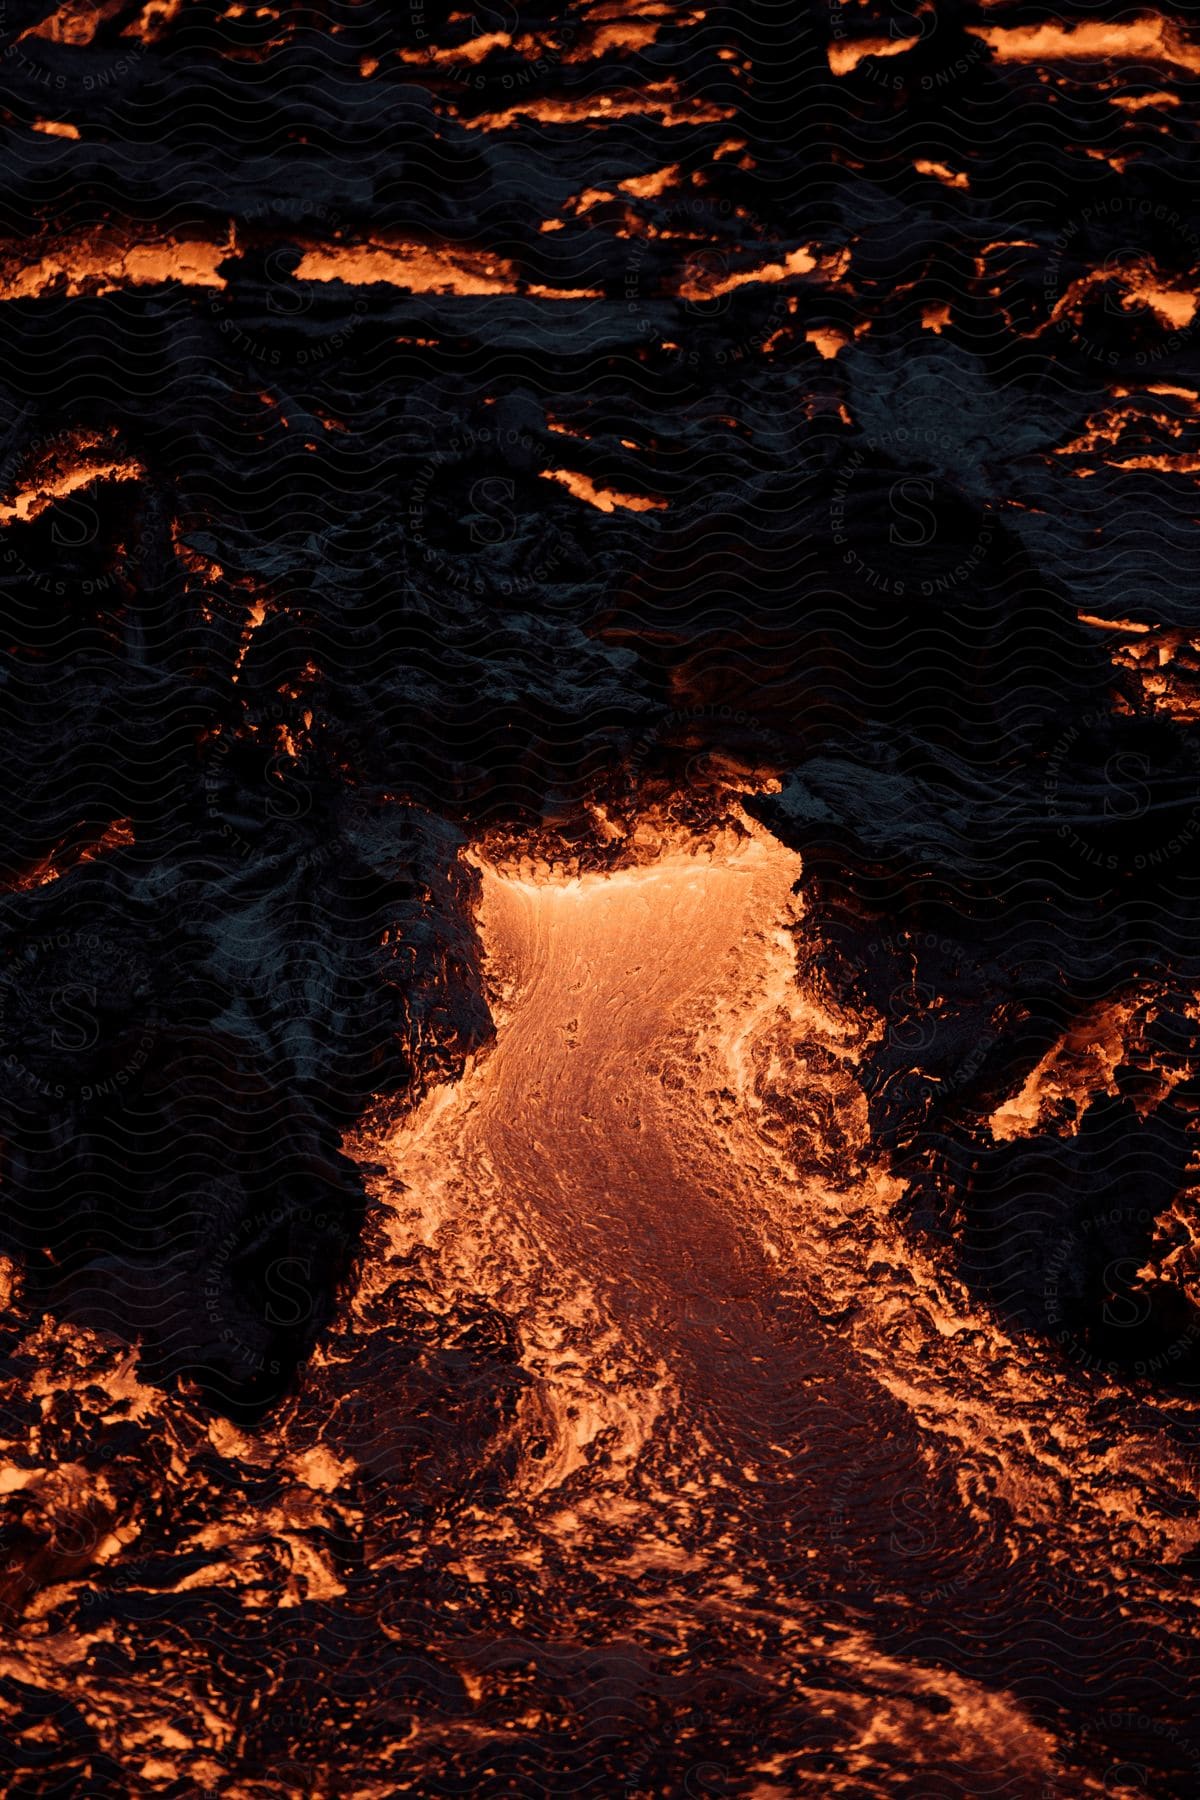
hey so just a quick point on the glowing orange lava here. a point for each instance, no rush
(1150, 39)
(603, 499)
(103, 262)
(660, 101)
(845, 57)
(79, 460)
(424, 269)
(662, 1170)
(941, 171)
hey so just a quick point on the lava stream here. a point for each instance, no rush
(573, 1175)
(661, 1172)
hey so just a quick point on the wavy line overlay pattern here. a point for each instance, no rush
(599, 899)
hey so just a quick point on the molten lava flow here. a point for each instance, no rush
(1139, 102)
(941, 171)
(603, 499)
(425, 269)
(115, 836)
(827, 341)
(845, 56)
(645, 1418)
(757, 1419)
(660, 101)
(103, 262)
(609, 1216)
(1164, 660)
(1149, 39)
(62, 469)
(1082, 1065)
(74, 23)
(1174, 306)
(704, 285)
(647, 187)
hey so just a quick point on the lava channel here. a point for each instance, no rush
(760, 1433)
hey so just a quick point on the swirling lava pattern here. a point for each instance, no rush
(770, 1470)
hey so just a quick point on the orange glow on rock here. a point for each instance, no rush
(254, 618)
(648, 187)
(949, 177)
(1112, 624)
(119, 835)
(75, 23)
(626, 35)
(827, 341)
(1080, 1066)
(152, 22)
(1174, 305)
(425, 269)
(1138, 102)
(102, 264)
(710, 286)
(471, 50)
(604, 499)
(64, 470)
(1148, 39)
(845, 57)
(659, 100)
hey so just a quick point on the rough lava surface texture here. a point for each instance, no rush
(600, 917)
